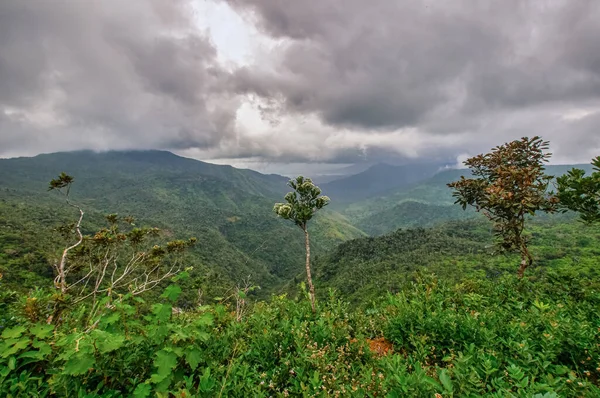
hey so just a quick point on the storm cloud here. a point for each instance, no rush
(336, 81)
(107, 75)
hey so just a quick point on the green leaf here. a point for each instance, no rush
(43, 350)
(13, 333)
(12, 363)
(164, 362)
(446, 381)
(433, 382)
(41, 331)
(172, 292)
(111, 318)
(79, 364)
(206, 381)
(204, 320)
(193, 358)
(107, 342)
(142, 390)
(15, 347)
(162, 311)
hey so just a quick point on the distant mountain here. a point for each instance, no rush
(341, 173)
(376, 180)
(229, 210)
(411, 214)
(132, 164)
(400, 207)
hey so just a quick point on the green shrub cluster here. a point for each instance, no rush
(507, 338)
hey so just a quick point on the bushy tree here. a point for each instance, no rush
(509, 184)
(300, 206)
(581, 193)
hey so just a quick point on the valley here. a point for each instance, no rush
(395, 263)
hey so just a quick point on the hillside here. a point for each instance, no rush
(361, 269)
(409, 214)
(376, 180)
(417, 312)
(388, 211)
(229, 210)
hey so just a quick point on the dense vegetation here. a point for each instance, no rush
(221, 206)
(421, 312)
(504, 337)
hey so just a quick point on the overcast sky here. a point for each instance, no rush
(262, 83)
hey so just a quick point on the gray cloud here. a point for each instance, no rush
(107, 74)
(345, 81)
(441, 67)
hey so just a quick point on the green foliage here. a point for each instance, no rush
(500, 338)
(509, 184)
(302, 203)
(456, 250)
(451, 318)
(494, 338)
(222, 206)
(411, 214)
(581, 193)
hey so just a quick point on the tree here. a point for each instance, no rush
(301, 205)
(115, 259)
(509, 184)
(581, 193)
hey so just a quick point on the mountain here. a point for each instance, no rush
(376, 180)
(389, 210)
(229, 210)
(411, 214)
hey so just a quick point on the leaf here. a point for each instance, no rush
(172, 292)
(433, 382)
(110, 319)
(193, 358)
(107, 342)
(142, 390)
(12, 363)
(164, 362)
(162, 311)
(41, 331)
(79, 364)
(206, 381)
(43, 350)
(204, 320)
(446, 381)
(16, 347)
(13, 333)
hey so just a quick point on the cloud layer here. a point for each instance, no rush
(330, 81)
(107, 74)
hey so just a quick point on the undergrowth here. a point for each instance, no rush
(503, 338)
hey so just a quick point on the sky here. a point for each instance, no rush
(280, 85)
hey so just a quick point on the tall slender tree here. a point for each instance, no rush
(509, 184)
(300, 206)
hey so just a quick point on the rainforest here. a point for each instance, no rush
(144, 274)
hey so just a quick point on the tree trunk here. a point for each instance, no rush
(526, 261)
(311, 287)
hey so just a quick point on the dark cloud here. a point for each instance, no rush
(340, 80)
(107, 74)
(391, 64)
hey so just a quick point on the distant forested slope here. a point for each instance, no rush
(229, 210)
